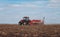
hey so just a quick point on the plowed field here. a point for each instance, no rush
(13, 30)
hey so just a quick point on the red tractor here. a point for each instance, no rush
(27, 21)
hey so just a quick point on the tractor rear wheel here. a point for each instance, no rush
(20, 23)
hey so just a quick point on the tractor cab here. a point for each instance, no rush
(26, 18)
(24, 21)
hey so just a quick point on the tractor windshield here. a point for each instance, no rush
(26, 18)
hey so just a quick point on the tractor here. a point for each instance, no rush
(27, 21)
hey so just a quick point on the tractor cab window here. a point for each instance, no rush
(26, 18)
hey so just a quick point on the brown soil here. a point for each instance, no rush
(13, 30)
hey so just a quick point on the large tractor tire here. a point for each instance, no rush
(20, 23)
(23, 23)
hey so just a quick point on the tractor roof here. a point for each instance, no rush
(26, 17)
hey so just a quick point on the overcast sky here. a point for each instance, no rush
(11, 11)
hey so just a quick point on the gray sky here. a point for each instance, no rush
(11, 11)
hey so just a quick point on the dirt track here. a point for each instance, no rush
(14, 30)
